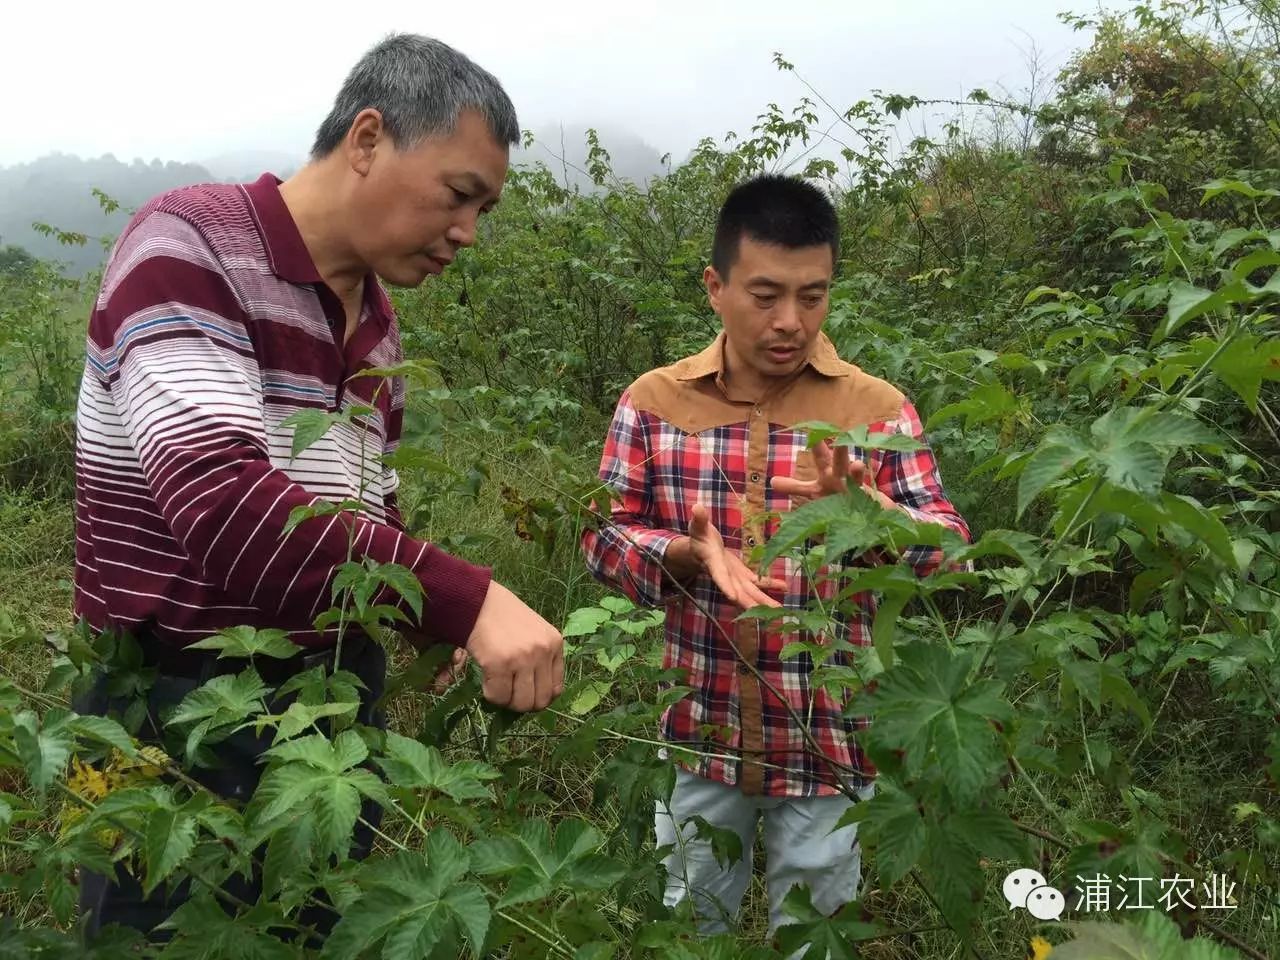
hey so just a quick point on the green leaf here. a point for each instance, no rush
(104, 730)
(894, 825)
(402, 580)
(288, 851)
(991, 833)
(336, 806)
(248, 642)
(1055, 458)
(535, 866)
(1230, 239)
(617, 605)
(43, 745)
(1163, 429)
(987, 402)
(1186, 302)
(926, 707)
(1200, 522)
(726, 845)
(1252, 262)
(1220, 186)
(586, 621)
(313, 776)
(1245, 363)
(1135, 466)
(1151, 935)
(812, 519)
(952, 868)
(301, 716)
(205, 931)
(216, 708)
(335, 756)
(309, 426)
(415, 766)
(469, 905)
(821, 937)
(321, 508)
(170, 838)
(414, 906)
(817, 431)
(886, 624)
(589, 697)
(424, 371)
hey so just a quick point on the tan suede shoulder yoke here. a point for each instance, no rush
(687, 395)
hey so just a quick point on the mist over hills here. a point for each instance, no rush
(57, 189)
(563, 149)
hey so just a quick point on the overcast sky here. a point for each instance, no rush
(147, 79)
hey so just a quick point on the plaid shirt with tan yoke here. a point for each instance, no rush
(681, 436)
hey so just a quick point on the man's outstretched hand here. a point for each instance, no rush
(703, 551)
(520, 655)
(835, 473)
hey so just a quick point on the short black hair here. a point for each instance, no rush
(772, 208)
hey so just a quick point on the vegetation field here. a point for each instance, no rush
(1078, 284)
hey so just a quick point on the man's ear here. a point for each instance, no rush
(365, 134)
(715, 287)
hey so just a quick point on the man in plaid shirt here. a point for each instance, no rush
(701, 457)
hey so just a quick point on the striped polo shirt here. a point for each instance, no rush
(212, 327)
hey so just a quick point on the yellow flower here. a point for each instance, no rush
(1040, 948)
(94, 785)
(88, 781)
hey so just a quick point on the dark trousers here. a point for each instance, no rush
(119, 899)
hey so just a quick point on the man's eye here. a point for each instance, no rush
(459, 197)
(764, 301)
(812, 301)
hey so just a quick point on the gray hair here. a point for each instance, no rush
(419, 85)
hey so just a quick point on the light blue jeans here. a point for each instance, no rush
(800, 848)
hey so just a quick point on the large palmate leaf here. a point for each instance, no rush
(214, 710)
(313, 776)
(537, 863)
(927, 707)
(818, 936)
(415, 766)
(413, 905)
(248, 642)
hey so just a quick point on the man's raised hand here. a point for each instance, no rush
(835, 472)
(703, 551)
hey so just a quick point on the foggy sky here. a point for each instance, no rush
(149, 79)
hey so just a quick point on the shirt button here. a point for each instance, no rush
(757, 411)
(743, 669)
(755, 478)
(751, 541)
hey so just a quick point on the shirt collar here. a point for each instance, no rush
(287, 254)
(823, 359)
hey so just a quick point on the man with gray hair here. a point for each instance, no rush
(225, 310)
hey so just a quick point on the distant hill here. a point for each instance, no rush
(57, 190)
(632, 158)
(241, 166)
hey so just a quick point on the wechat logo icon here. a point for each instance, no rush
(1028, 889)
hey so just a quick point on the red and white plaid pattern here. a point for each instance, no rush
(658, 472)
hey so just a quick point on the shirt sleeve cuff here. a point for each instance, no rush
(455, 591)
(653, 583)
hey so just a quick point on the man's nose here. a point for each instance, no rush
(463, 230)
(786, 316)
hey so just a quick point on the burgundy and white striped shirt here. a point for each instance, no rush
(213, 326)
